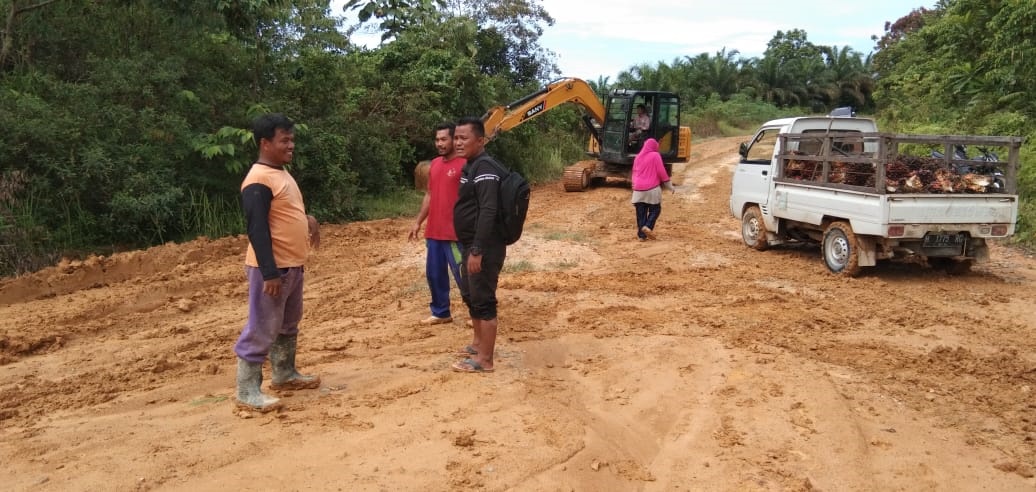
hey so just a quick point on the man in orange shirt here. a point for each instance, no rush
(279, 237)
(444, 252)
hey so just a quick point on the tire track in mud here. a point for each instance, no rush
(896, 298)
(813, 315)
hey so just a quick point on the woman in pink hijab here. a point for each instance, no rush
(648, 178)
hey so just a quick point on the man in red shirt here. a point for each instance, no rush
(444, 252)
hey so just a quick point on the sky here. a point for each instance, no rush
(605, 37)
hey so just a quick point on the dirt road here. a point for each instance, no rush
(685, 363)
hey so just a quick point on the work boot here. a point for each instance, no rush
(282, 358)
(249, 396)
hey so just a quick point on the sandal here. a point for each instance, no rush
(469, 365)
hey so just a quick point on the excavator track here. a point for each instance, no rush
(577, 176)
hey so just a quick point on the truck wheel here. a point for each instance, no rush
(753, 229)
(840, 249)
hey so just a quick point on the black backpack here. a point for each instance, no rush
(514, 204)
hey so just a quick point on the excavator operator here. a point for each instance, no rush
(640, 125)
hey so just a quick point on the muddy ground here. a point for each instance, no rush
(686, 363)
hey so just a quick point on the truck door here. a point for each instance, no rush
(754, 173)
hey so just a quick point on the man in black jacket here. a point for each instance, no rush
(476, 223)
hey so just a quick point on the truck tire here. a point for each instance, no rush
(753, 229)
(840, 249)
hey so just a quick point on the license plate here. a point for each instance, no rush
(943, 241)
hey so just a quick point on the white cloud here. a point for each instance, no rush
(614, 35)
(605, 37)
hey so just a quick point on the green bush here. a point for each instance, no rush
(543, 147)
(737, 116)
(402, 202)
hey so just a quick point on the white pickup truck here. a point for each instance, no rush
(867, 196)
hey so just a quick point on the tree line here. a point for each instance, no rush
(792, 73)
(125, 122)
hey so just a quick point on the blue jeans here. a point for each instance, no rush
(269, 316)
(443, 258)
(647, 214)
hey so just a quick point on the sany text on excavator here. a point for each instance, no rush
(614, 141)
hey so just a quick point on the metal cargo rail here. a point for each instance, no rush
(861, 162)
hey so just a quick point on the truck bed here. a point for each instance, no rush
(871, 212)
(885, 163)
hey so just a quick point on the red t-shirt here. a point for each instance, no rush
(443, 182)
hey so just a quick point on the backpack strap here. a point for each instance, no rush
(503, 170)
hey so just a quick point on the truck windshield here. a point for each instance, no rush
(761, 150)
(845, 146)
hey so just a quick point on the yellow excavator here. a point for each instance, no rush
(614, 141)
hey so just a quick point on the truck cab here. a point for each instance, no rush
(752, 180)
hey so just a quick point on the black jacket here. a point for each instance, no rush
(476, 211)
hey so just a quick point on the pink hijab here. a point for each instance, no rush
(648, 170)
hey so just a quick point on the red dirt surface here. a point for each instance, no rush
(686, 363)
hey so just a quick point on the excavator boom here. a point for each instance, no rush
(568, 90)
(614, 140)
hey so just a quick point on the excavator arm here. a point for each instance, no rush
(568, 90)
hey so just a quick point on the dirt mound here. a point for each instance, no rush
(101, 271)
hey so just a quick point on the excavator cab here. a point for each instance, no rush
(620, 135)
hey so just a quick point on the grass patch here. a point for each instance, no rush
(563, 265)
(25, 244)
(576, 237)
(728, 130)
(211, 216)
(414, 288)
(390, 205)
(519, 266)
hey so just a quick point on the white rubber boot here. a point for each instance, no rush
(249, 396)
(285, 376)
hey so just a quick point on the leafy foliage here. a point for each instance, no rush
(934, 62)
(397, 16)
(126, 123)
(792, 73)
(965, 66)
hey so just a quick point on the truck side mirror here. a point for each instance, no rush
(743, 150)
